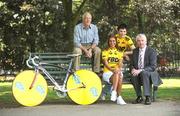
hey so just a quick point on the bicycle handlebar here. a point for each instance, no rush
(27, 63)
(33, 61)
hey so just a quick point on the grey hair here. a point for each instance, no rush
(141, 36)
(85, 14)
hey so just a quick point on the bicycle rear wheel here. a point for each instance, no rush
(22, 92)
(89, 93)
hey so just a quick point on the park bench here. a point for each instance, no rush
(86, 63)
(60, 59)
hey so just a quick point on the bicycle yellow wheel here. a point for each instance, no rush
(22, 92)
(89, 93)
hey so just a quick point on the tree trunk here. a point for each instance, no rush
(140, 16)
(68, 33)
(71, 20)
(141, 21)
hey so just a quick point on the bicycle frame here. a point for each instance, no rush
(40, 67)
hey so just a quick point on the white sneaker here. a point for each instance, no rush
(120, 101)
(113, 95)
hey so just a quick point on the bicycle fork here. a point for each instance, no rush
(34, 79)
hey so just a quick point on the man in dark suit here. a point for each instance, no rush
(144, 62)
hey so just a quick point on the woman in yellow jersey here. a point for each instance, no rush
(112, 73)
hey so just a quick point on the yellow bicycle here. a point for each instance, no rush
(30, 88)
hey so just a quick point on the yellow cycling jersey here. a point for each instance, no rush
(113, 56)
(124, 43)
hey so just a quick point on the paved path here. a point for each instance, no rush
(161, 108)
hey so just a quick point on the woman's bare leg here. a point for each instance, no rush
(119, 87)
(114, 80)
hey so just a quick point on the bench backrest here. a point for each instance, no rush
(60, 58)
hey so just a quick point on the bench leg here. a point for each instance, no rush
(154, 93)
(106, 90)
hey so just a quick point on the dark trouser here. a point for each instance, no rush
(143, 79)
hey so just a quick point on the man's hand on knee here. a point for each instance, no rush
(89, 53)
(135, 72)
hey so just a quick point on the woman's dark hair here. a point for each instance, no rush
(112, 36)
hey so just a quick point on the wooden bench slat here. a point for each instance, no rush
(56, 61)
(53, 57)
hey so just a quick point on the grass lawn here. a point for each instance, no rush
(169, 90)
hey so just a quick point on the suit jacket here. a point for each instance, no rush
(150, 59)
(150, 63)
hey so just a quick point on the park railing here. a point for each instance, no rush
(169, 61)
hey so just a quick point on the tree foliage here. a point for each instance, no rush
(47, 25)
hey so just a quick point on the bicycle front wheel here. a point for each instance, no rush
(84, 87)
(24, 94)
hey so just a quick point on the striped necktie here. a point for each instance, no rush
(140, 63)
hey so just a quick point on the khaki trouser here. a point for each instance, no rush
(96, 57)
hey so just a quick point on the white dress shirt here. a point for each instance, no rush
(142, 52)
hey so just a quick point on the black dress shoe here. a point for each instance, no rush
(148, 100)
(138, 100)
